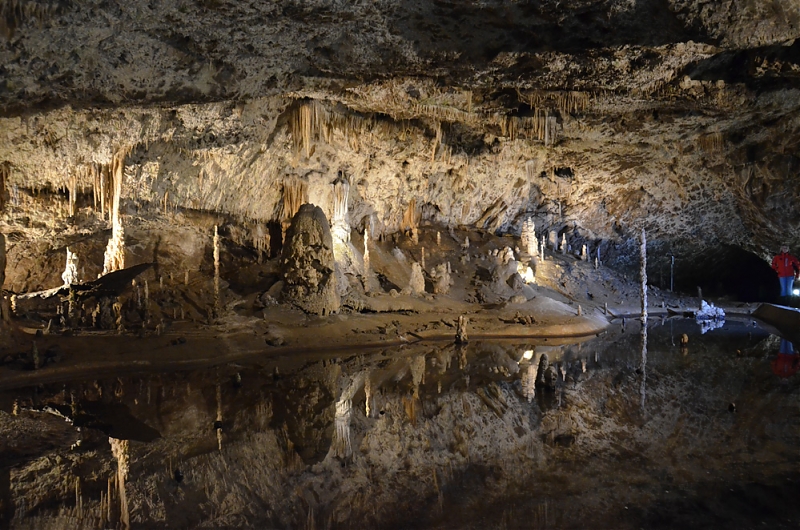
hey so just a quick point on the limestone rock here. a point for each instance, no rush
(307, 263)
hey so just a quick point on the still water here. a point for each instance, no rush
(694, 431)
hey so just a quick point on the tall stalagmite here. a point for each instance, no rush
(308, 265)
(114, 258)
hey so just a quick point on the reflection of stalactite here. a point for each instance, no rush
(341, 445)
(417, 366)
(218, 423)
(529, 377)
(121, 451)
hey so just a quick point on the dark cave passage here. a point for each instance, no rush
(728, 271)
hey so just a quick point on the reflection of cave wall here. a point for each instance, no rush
(728, 271)
(305, 410)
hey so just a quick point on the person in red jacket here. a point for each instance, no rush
(788, 269)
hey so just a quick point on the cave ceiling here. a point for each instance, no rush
(598, 118)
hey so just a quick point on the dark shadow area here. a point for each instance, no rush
(478, 32)
(742, 66)
(728, 271)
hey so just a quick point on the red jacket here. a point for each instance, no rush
(786, 265)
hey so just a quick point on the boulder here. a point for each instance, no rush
(307, 263)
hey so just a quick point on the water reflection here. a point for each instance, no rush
(436, 436)
(787, 363)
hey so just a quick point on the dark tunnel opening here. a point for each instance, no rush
(730, 272)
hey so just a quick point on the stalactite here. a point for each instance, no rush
(295, 194)
(711, 142)
(411, 217)
(73, 192)
(565, 101)
(436, 141)
(14, 13)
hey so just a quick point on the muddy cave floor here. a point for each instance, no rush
(451, 440)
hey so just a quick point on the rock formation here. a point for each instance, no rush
(308, 265)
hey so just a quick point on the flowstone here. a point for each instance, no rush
(308, 265)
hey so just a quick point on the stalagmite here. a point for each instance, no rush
(541, 248)
(438, 239)
(368, 395)
(529, 237)
(552, 240)
(366, 260)
(461, 330)
(584, 254)
(186, 278)
(114, 258)
(643, 273)
(563, 246)
(422, 258)
(70, 274)
(465, 244)
(340, 226)
(442, 280)
(416, 284)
